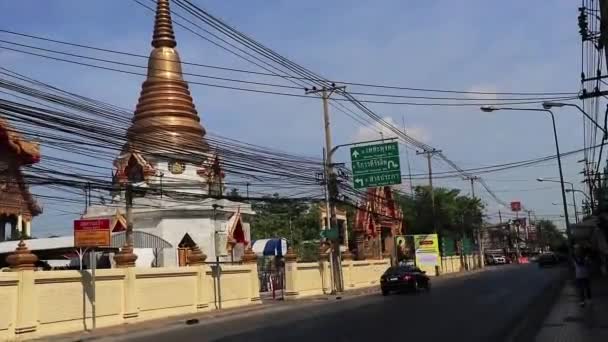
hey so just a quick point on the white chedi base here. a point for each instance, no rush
(171, 219)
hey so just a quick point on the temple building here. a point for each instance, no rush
(168, 171)
(17, 206)
(377, 221)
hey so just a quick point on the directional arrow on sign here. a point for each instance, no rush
(355, 154)
(392, 164)
(360, 181)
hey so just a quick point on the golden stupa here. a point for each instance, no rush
(165, 122)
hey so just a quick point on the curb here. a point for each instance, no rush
(525, 329)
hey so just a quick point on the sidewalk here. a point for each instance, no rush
(568, 322)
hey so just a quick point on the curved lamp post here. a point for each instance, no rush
(567, 190)
(559, 159)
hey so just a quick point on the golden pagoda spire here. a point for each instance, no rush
(165, 122)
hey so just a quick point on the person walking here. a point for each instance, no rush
(582, 274)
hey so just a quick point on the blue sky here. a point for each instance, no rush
(466, 45)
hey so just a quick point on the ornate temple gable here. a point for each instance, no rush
(211, 171)
(234, 227)
(15, 152)
(21, 151)
(131, 166)
(378, 209)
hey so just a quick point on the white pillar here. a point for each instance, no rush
(2, 230)
(28, 228)
(19, 223)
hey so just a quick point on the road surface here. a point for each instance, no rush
(480, 307)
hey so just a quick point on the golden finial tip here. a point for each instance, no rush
(163, 27)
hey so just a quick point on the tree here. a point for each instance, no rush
(551, 236)
(278, 217)
(234, 193)
(455, 214)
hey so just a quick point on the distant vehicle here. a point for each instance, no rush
(547, 260)
(496, 259)
(404, 278)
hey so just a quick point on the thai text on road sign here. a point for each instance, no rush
(375, 165)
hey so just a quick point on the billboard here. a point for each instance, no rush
(427, 252)
(92, 233)
(405, 248)
(515, 206)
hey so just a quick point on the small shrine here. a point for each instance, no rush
(377, 221)
(17, 205)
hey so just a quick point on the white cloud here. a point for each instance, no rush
(378, 131)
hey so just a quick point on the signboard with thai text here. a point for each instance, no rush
(91, 233)
(516, 206)
(427, 252)
(375, 165)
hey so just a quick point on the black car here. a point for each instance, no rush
(547, 260)
(404, 278)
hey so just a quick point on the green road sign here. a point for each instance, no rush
(330, 234)
(375, 165)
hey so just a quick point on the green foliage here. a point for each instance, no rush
(234, 193)
(455, 214)
(550, 235)
(279, 217)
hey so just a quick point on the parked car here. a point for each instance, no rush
(547, 260)
(404, 278)
(496, 259)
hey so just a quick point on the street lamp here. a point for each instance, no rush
(549, 104)
(559, 159)
(567, 190)
(581, 191)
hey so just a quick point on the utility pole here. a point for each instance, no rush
(407, 158)
(472, 179)
(429, 154)
(331, 180)
(528, 227)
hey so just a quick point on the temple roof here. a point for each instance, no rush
(26, 152)
(15, 197)
(165, 121)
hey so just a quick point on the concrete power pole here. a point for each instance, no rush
(429, 154)
(472, 179)
(332, 184)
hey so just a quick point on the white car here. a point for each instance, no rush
(497, 259)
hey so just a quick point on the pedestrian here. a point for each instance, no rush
(582, 273)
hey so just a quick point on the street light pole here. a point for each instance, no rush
(559, 159)
(604, 129)
(567, 190)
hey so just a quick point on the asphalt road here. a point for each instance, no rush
(481, 307)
